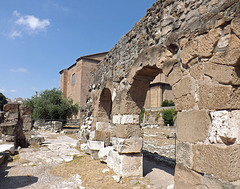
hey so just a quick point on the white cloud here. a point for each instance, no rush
(21, 70)
(33, 23)
(8, 91)
(16, 13)
(12, 91)
(15, 34)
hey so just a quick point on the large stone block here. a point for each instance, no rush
(125, 165)
(189, 52)
(11, 107)
(183, 87)
(211, 182)
(222, 73)
(235, 26)
(103, 126)
(129, 145)
(127, 131)
(129, 107)
(25, 110)
(8, 128)
(225, 127)
(193, 126)
(132, 165)
(95, 145)
(185, 102)
(126, 119)
(214, 97)
(27, 122)
(12, 115)
(168, 65)
(184, 154)
(102, 135)
(231, 56)
(175, 75)
(196, 71)
(103, 153)
(186, 178)
(219, 160)
(207, 43)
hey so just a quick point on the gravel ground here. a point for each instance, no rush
(34, 165)
(34, 168)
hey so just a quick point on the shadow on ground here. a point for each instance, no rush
(13, 182)
(154, 161)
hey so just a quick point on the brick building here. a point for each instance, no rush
(74, 80)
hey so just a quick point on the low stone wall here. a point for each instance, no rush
(160, 140)
(43, 125)
(153, 116)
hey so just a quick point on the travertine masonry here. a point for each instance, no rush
(196, 44)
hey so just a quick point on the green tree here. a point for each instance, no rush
(3, 100)
(50, 104)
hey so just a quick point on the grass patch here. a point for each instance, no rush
(91, 173)
(16, 157)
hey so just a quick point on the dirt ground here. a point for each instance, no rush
(51, 166)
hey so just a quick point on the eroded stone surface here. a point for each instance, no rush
(217, 160)
(193, 126)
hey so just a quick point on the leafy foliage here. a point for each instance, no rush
(3, 100)
(167, 103)
(142, 115)
(169, 116)
(50, 104)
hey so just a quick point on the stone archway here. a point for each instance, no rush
(200, 56)
(104, 117)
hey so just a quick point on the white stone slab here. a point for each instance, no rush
(7, 147)
(225, 124)
(126, 119)
(103, 126)
(95, 145)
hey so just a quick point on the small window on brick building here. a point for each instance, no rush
(73, 79)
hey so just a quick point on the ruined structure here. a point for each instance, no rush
(16, 124)
(75, 79)
(196, 44)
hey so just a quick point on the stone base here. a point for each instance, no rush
(126, 165)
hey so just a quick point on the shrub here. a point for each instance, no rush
(142, 115)
(169, 116)
(167, 103)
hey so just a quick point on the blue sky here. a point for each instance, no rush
(38, 38)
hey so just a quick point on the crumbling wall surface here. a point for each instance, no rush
(15, 124)
(196, 44)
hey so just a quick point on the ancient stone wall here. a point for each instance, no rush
(196, 44)
(16, 124)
